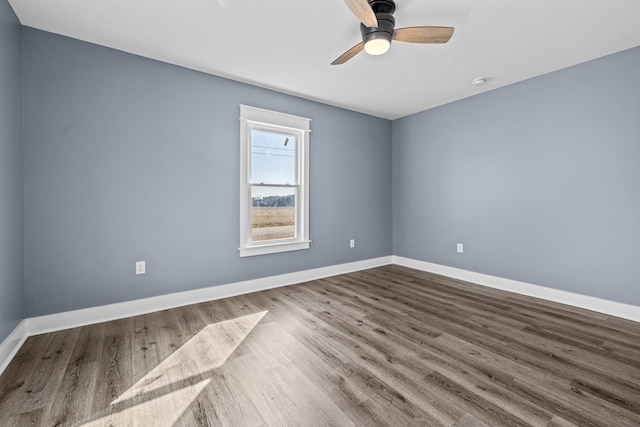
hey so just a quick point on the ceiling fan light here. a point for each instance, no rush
(377, 46)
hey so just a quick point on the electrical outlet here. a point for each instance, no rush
(460, 248)
(141, 267)
(352, 243)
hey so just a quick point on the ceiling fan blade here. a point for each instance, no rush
(363, 12)
(349, 54)
(423, 34)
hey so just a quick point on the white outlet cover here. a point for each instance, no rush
(460, 248)
(141, 267)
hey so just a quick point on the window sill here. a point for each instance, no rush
(272, 248)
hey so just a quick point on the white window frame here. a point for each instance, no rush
(266, 120)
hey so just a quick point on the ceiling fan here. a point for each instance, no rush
(378, 29)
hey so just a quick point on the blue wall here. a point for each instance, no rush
(131, 159)
(540, 180)
(11, 183)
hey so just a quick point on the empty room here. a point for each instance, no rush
(319, 213)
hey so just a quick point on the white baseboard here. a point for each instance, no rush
(10, 346)
(612, 308)
(87, 316)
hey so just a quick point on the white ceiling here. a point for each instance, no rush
(287, 45)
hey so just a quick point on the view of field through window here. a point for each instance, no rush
(273, 223)
(273, 177)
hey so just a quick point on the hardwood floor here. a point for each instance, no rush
(387, 346)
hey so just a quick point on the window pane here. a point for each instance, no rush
(273, 214)
(273, 158)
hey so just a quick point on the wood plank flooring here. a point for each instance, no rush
(389, 346)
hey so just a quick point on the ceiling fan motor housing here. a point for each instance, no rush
(383, 10)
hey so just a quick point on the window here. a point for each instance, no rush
(274, 182)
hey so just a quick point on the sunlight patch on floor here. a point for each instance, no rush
(209, 349)
(164, 394)
(162, 411)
